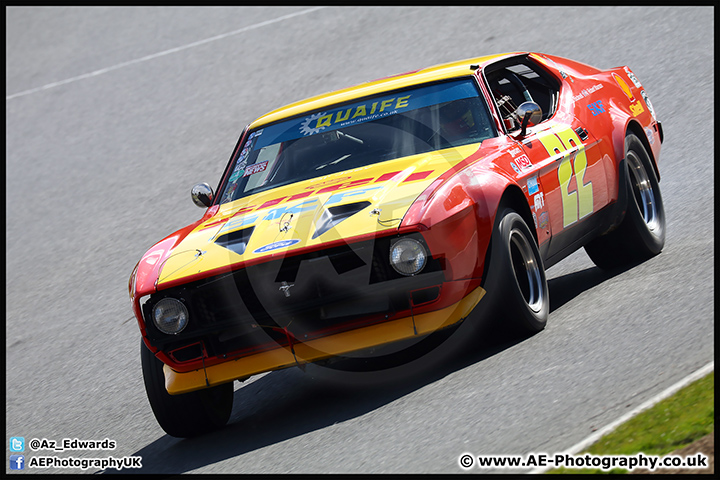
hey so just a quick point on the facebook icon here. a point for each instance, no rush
(17, 462)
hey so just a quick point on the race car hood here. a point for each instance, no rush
(302, 216)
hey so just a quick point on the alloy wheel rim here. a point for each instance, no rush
(643, 192)
(527, 271)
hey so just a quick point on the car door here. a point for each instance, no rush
(571, 179)
(559, 160)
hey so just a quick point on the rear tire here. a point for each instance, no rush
(641, 234)
(188, 414)
(516, 282)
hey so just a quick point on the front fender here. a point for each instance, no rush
(143, 279)
(458, 216)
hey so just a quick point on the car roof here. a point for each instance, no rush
(430, 74)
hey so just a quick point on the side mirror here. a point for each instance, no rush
(202, 195)
(529, 114)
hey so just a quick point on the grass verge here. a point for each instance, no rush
(670, 425)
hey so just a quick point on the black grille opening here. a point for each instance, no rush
(345, 260)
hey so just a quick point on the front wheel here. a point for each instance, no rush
(516, 281)
(188, 414)
(641, 234)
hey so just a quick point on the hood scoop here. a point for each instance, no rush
(334, 215)
(236, 241)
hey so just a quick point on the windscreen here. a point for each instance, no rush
(373, 130)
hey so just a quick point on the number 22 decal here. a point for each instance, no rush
(578, 203)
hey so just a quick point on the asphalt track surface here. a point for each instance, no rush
(114, 113)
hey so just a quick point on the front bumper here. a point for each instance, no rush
(297, 299)
(322, 348)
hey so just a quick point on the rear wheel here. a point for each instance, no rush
(189, 414)
(516, 281)
(641, 234)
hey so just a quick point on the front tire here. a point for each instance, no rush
(189, 414)
(641, 234)
(516, 281)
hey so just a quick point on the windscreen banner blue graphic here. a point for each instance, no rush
(373, 109)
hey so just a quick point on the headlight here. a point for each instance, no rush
(170, 316)
(408, 256)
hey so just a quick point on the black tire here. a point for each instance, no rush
(516, 284)
(641, 234)
(189, 414)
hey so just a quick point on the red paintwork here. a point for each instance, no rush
(456, 213)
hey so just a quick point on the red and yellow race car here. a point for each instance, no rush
(387, 211)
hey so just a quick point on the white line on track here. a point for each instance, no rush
(651, 402)
(160, 54)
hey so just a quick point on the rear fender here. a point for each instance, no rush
(631, 114)
(635, 127)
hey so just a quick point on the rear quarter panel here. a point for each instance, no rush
(608, 103)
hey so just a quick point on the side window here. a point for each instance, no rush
(515, 82)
